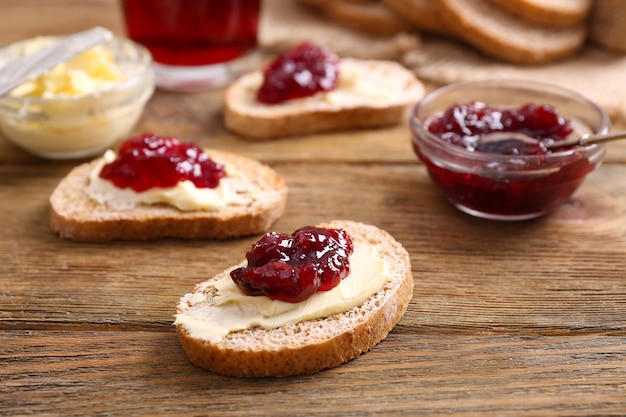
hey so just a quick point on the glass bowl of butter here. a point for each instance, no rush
(81, 107)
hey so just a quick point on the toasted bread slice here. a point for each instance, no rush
(424, 15)
(369, 17)
(502, 35)
(372, 93)
(312, 345)
(607, 24)
(76, 216)
(289, 23)
(324, 3)
(555, 13)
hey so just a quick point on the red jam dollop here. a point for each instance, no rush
(463, 124)
(150, 161)
(300, 72)
(293, 267)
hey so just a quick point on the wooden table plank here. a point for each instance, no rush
(553, 275)
(410, 373)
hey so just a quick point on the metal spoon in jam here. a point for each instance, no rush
(509, 143)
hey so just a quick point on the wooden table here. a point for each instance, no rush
(507, 319)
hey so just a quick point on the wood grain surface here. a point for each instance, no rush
(507, 319)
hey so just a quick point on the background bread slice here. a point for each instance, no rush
(289, 23)
(323, 3)
(502, 35)
(555, 13)
(424, 15)
(247, 117)
(372, 17)
(607, 24)
(368, 16)
(312, 345)
(74, 215)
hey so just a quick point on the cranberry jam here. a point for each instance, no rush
(463, 125)
(505, 180)
(150, 161)
(293, 267)
(300, 72)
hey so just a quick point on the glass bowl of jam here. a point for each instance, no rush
(81, 107)
(506, 180)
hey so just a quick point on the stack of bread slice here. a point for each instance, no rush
(556, 30)
(526, 32)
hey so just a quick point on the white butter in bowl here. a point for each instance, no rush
(80, 107)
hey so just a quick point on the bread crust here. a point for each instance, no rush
(607, 24)
(502, 35)
(555, 13)
(74, 215)
(256, 121)
(422, 14)
(369, 17)
(313, 345)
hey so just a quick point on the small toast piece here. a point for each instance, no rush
(555, 13)
(75, 215)
(377, 94)
(502, 35)
(313, 345)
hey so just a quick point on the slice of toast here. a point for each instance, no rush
(502, 35)
(324, 3)
(312, 345)
(75, 215)
(424, 15)
(554, 13)
(374, 17)
(607, 24)
(289, 23)
(371, 93)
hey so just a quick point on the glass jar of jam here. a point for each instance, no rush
(499, 184)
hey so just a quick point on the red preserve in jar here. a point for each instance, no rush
(150, 161)
(518, 181)
(293, 267)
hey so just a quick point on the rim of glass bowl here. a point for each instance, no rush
(139, 63)
(419, 128)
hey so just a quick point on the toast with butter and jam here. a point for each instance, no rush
(299, 303)
(309, 89)
(155, 187)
